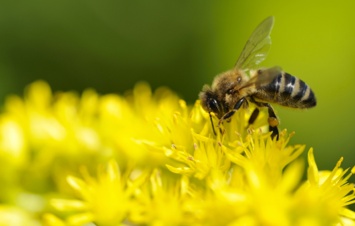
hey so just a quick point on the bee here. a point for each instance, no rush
(243, 84)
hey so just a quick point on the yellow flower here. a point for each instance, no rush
(325, 195)
(157, 162)
(161, 201)
(15, 216)
(105, 200)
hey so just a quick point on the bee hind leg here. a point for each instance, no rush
(272, 120)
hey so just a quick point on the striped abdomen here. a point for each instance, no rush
(287, 90)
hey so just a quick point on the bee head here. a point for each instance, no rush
(210, 102)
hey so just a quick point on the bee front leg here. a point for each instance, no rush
(229, 114)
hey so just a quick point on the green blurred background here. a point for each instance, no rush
(183, 44)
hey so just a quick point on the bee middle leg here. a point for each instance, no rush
(272, 120)
(254, 116)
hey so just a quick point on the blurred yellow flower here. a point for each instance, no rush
(148, 158)
(105, 200)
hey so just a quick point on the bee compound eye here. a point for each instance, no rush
(239, 79)
(213, 105)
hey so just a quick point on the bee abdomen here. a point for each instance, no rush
(290, 91)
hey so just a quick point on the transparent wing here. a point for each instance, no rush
(261, 78)
(257, 46)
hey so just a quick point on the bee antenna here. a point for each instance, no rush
(214, 131)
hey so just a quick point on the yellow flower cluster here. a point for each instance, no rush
(150, 159)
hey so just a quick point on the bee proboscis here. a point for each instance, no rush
(243, 84)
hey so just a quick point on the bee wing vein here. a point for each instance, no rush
(257, 46)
